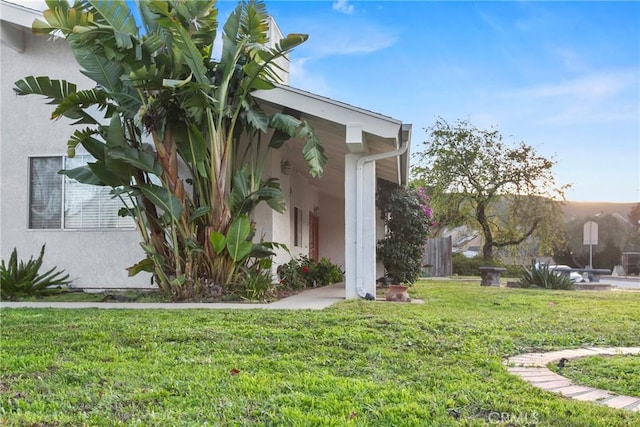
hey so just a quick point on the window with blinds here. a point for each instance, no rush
(297, 227)
(59, 202)
(45, 192)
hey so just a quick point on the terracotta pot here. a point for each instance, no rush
(397, 293)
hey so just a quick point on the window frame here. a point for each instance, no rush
(63, 184)
(297, 227)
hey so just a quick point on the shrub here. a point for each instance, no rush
(304, 272)
(543, 277)
(257, 284)
(463, 266)
(407, 217)
(20, 279)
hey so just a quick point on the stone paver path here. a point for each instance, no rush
(532, 367)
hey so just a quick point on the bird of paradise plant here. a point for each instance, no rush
(169, 126)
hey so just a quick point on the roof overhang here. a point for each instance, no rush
(16, 19)
(358, 130)
(353, 118)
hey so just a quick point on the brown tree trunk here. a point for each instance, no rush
(487, 246)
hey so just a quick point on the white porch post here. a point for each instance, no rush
(360, 229)
(368, 224)
(350, 224)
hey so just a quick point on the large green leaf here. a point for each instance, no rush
(237, 243)
(117, 15)
(107, 175)
(143, 160)
(84, 174)
(291, 41)
(194, 150)
(145, 264)
(229, 36)
(199, 213)
(271, 192)
(99, 69)
(85, 138)
(61, 17)
(202, 18)
(285, 126)
(55, 90)
(256, 117)
(218, 241)
(313, 152)
(184, 48)
(240, 190)
(74, 106)
(115, 136)
(254, 23)
(148, 16)
(162, 198)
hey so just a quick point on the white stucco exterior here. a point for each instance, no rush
(92, 258)
(343, 199)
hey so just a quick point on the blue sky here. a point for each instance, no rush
(564, 77)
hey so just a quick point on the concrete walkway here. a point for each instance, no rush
(312, 299)
(532, 367)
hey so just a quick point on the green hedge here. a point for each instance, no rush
(463, 266)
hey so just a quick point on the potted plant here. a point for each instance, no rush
(407, 217)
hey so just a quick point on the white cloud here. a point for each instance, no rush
(351, 37)
(302, 78)
(343, 6)
(600, 97)
(570, 59)
(594, 87)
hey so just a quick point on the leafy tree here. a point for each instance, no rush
(508, 193)
(176, 133)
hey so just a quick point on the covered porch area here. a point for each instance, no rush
(334, 216)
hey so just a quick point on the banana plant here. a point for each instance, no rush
(165, 123)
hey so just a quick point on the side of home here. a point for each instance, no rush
(333, 216)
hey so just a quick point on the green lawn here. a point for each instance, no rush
(619, 374)
(357, 363)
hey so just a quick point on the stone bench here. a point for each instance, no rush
(491, 275)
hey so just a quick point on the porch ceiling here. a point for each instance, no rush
(331, 128)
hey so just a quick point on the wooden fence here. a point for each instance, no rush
(437, 257)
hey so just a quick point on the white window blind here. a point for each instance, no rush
(79, 206)
(297, 227)
(45, 192)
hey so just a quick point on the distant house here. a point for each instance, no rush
(333, 216)
(464, 240)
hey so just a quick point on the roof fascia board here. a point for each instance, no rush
(17, 14)
(329, 109)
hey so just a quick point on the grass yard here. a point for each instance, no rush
(357, 363)
(619, 374)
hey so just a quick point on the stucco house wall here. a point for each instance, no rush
(331, 229)
(93, 258)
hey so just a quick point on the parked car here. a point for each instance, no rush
(574, 276)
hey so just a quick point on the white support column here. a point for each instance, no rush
(360, 227)
(350, 224)
(368, 224)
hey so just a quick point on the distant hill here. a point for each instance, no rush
(586, 209)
